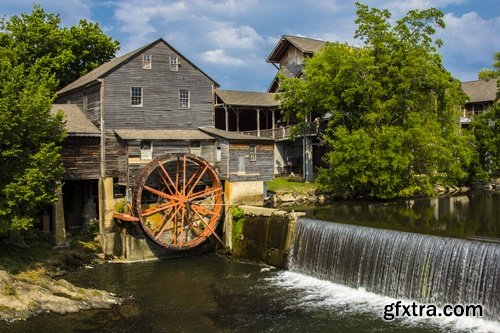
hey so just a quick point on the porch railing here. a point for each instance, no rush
(282, 133)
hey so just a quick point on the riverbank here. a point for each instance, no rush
(29, 283)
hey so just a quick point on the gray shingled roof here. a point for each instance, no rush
(77, 123)
(233, 136)
(100, 71)
(171, 135)
(306, 45)
(247, 98)
(480, 90)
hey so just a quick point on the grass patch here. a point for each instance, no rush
(9, 290)
(41, 253)
(287, 184)
(238, 220)
(33, 275)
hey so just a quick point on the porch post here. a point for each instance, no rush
(258, 122)
(237, 120)
(226, 112)
(273, 122)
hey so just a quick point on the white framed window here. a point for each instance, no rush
(218, 156)
(147, 61)
(136, 96)
(195, 148)
(174, 64)
(253, 153)
(146, 150)
(184, 99)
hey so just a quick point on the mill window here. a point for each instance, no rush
(136, 96)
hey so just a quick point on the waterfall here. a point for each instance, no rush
(427, 269)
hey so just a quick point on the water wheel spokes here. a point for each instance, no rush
(178, 199)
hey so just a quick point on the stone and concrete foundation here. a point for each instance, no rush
(266, 235)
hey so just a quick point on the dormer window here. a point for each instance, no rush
(146, 61)
(174, 64)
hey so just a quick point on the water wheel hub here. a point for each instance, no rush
(178, 201)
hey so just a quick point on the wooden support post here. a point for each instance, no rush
(273, 118)
(258, 122)
(237, 120)
(226, 117)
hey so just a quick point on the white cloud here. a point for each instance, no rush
(71, 11)
(218, 56)
(399, 7)
(243, 37)
(469, 42)
(226, 7)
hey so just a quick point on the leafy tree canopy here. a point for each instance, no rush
(37, 56)
(486, 129)
(491, 73)
(29, 142)
(39, 38)
(392, 108)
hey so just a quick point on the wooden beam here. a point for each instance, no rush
(258, 122)
(227, 116)
(273, 118)
(237, 120)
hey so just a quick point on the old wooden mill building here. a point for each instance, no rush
(139, 106)
(154, 101)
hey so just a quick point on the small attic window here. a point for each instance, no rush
(146, 61)
(174, 64)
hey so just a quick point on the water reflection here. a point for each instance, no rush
(475, 214)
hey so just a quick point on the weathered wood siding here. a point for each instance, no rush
(222, 167)
(160, 94)
(80, 157)
(260, 169)
(116, 160)
(161, 147)
(89, 101)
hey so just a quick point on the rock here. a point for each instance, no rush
(321, 198)
(464, 189)
(288, 197)
(440, 189)
(33, 292)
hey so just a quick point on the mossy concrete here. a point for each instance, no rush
(266, 235)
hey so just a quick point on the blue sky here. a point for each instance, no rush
(231, 39)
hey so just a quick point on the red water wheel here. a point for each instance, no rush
(178, 200)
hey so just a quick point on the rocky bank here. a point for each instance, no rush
(33, 292)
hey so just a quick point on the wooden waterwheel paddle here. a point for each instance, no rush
(178, 201)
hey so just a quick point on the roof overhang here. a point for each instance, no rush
(167, 135)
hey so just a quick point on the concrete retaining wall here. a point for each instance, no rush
(266, 235)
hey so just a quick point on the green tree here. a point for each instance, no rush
(29, 142)
(487, 73)
(38, 38)
(38, 55)
(393, 128)
(486, 130)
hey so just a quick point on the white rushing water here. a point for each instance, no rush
(366, 269)
(317, 293)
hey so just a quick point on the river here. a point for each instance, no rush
(215, 293)
(473, 215)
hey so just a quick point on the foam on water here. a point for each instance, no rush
(315, 292)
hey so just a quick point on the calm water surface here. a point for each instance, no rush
(219, 294)
(471, 215)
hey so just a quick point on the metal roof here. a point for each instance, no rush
(77, 123)
(171, 135)
(233, 136)
(481, 90)
(247, 98)
(306, 45)
(105, 68)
